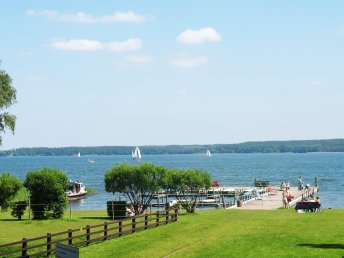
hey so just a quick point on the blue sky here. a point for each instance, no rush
(93, 73)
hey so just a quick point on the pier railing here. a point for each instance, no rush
(45, 245)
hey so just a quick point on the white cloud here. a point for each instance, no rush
(198, 36)
(189, 61)
(78, 45)
(125, 46)
(81, 17)
(139, 59)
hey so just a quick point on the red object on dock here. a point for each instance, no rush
(215, 183)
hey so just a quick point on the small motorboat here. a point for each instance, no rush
(76, 190)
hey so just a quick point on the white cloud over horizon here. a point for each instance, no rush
(84, 18)
(94, 45)
(189, 61)
(125, 46)
(77, 45)
(199, 36)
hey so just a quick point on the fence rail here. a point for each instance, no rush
(45, 245)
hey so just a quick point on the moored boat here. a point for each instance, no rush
(76, 190)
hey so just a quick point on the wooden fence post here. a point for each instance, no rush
(120, 228)
(157, 219)
(88, 235)
(24, 246)
(167, 217)
(70, 236)
(105, 230)
(48, 244)
(146, 221)
(133, 225)
(176, 214)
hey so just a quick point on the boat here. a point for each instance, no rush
(78, 155)
(75, 190)
(136, 154)
(90, 161)
(208, 154)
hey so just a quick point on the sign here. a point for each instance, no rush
(66, 251)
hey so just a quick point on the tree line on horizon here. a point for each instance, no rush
(299, 146)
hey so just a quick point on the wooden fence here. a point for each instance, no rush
(45, 245)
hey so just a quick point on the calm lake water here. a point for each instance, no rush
(230, 169)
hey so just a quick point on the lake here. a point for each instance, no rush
(230, 169)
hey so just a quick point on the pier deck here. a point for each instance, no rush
(272, 201)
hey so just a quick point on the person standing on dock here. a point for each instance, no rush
(300, 183)
(284, 200)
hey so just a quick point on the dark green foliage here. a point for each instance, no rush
(334, 145)
(7, 98)
(138, 183)
(117, 209)
(47, 188)
(9, 186)
(18, 209)
(186, 184)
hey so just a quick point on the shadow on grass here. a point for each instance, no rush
(325, 246)
(13, 219)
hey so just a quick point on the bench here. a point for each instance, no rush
(308, 206)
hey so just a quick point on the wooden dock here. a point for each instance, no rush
(273, 200)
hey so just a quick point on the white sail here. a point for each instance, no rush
(78, 154)
(208, 154)
(136, 154)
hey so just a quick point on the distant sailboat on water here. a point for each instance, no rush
(208, 154)
(78, 155)
(136, 154)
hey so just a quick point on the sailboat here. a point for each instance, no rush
(78, 154)
(136, 154)
(208, 154)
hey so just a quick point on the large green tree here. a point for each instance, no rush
(47, 189)
(139, 183)
(9, 186)
(186, 185)
(7, 98)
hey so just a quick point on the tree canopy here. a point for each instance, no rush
(47, 189)
(7, 98)
(9, 186)
(138, 183)
(186, 185)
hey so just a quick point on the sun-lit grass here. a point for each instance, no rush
(210, 233)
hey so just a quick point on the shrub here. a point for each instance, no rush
(9, 186)
(47, 188)
(18, 209)
(117, 209)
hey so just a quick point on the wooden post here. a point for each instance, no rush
(133, 225)
(167, 207)
(176, 214)
(48, 244)
(70, 211)
(88, 235)
(146, 221)
(105, 230)
(24, 246)
(113, 211)
(70, 236)
(157, 219)
(119, 227)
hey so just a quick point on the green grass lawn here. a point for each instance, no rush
(210, 233)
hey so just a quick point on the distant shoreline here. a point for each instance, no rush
(297, 146)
